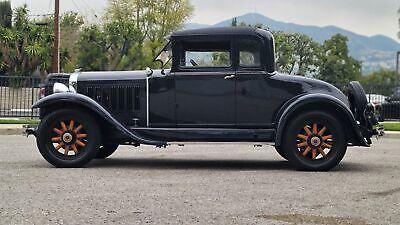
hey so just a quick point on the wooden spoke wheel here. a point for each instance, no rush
(314, 140)
(68, 138)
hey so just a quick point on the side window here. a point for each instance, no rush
(249, 53)
(197, 54)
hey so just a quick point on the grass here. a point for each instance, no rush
(391, 126)
(19, 121)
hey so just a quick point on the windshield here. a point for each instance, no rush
(165, 55)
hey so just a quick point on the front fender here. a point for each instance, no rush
(88, 103)
(319, 101)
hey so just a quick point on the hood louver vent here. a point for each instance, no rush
(116, 97)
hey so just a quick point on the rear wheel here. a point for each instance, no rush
(106, 150)
(314, 141)
(68, 138)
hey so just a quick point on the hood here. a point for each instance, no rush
(116, 75)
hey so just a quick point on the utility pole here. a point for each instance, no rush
(56, 47)
(397, 69)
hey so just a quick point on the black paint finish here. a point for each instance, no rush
(205, 104)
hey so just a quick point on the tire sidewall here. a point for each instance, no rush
(45, 132)
(335, 155)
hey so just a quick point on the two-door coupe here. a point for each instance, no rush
(222, 87)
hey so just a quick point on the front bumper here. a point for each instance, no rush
(30, 130)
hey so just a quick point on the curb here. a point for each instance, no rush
(11, 129)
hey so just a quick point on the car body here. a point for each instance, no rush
(222, 87)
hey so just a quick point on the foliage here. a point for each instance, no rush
(132, 35)
(336, 66)
(380, 82)
(5, 14)
(25, 46)
(296, 53)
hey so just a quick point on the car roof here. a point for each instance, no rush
(223, 31)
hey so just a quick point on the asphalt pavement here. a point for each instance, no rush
(199, 184)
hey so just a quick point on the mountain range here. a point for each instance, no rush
(376, 52)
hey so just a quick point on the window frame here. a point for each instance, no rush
(259, 67)
(178, 47)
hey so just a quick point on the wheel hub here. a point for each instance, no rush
(67, 138)
(315, 141)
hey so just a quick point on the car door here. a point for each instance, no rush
(255, 107)
(205, 83)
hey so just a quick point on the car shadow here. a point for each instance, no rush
(191, 164)
(209, 164)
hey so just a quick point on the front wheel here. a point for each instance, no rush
(68, 138)
(314, 141)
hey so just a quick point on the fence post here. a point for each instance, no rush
(32, 93)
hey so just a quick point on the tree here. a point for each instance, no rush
(336, 66)
(296, 53)
(380, 82)
(5, 14)
(148, 23)
(25, 46)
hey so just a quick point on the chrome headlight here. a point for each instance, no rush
(60, 88)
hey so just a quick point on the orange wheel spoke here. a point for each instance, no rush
(314, 128)
(59, 146)
(78, 142)
(56, 139)
(307, 130)
(327, 145)
(302, 144)
(74, 148)
(63, 126)
(79, 136)
(314, 154)
(71, 125)
(322, 131)
(66, 150)
(301, 136)
(321, 151)
(57, 131)
(306, 151)
(78, 128)
(324, 138)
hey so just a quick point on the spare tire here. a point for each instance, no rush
(358, 99)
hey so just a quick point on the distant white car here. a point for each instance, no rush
(377, 100)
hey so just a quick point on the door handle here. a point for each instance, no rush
(229, 77)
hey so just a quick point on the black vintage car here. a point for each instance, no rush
(222, 87)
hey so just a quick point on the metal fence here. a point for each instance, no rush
(17, 94)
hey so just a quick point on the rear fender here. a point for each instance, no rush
(91, 105)
(321, 102)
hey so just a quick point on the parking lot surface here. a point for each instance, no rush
(198, 184)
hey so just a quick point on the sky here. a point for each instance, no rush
(366, 17)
